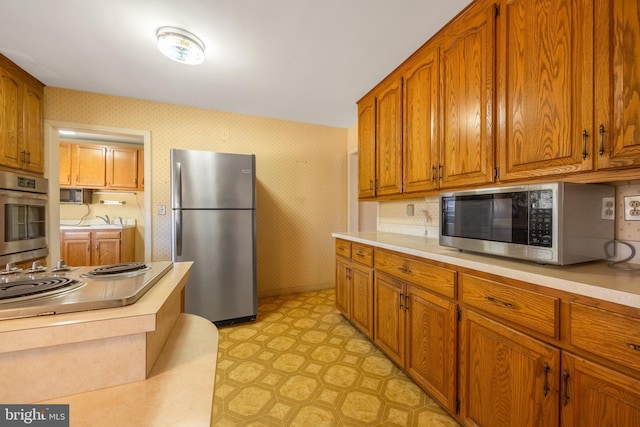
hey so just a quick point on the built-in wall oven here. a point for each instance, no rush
(23, 217)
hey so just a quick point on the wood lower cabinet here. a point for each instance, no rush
(414, 326)
(354, 284)
(594, 396)
(507, 378)
(97, 247)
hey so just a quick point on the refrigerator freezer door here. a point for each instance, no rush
(209, 180)
(222, 284)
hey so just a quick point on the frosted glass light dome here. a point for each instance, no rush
(180, 45)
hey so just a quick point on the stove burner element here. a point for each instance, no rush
(31, 288)
(117, 269)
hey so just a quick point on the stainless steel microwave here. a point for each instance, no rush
(78, 196)
(552, 223)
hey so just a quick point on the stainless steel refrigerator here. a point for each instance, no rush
(213, 215)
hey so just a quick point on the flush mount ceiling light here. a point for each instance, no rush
(180, 45)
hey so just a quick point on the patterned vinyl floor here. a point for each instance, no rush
(302, 364)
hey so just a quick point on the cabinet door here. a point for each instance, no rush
(10, 88)
(362, 298)
(389, 138)
(594, 396)
(466, 92)
(431, 345)
(122, 168)
(64, 152)
(367, 147)
(140, 169)
(420, 121)
(545, 87)
(33, 127)
(343, 286)
(75, 248)
(617, 82)
(506, 378)
(90, 165)
(389, 317)
(106, 251)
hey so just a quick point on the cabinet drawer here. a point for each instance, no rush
(419, 273)
(343, 248)
(108, 234)
(532, 310)
(607, 334)
(76, 235)
(362, 254)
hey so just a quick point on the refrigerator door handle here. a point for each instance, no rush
(177, 188)
(178, 214)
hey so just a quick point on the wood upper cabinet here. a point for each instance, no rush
(367, 147)
(100, 166)
(420, 155)
(466, 92)
(122, 168)
(21, 119)
(89, 164)
(594, 396)
(64, 154)
(389, 138)
(545, 87)
(616, 127)
(506, 378)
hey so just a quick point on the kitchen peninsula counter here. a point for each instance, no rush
(592, 279)
(50, 357)
(178, 391)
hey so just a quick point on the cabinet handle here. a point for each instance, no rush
(28, 157)
(401, 298)
(546, 388)
(360, 254)
(585, 136)
(633, 346)
(497, 301)
(23, 156)
(565, 385)
(370, 185)
(440, 172)
(406, 302)
(601, 132)
(405, 270)
(433, 173)
(348, 273)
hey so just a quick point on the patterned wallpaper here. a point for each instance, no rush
(301, 177)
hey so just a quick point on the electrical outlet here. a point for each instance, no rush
(632, 208)
(608, 208)
(162, 210)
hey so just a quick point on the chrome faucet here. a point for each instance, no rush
(106, 220)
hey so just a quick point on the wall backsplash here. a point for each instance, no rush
(301, 177)
(393, 217)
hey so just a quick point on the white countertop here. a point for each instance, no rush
(593, 279)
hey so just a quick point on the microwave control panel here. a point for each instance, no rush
(541, 218)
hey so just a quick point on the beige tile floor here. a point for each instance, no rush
(302, 364)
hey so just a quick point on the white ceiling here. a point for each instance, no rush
(300, 60)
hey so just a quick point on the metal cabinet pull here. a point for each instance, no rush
(433, 173)
(601, 132)
(406, 302)
(401, 300)
(565, 385)
(360, 254)
(585, 135)
(348, 273)
(545, 387)
(405, 270)
(497, 301)
(633, 346)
